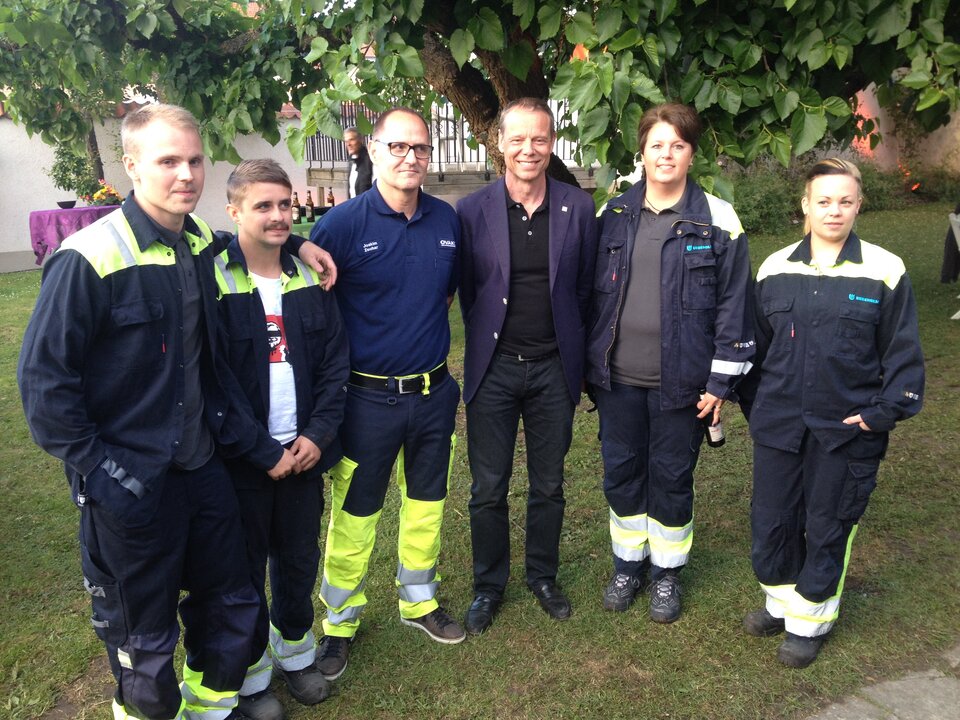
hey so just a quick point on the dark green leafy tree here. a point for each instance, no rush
(768, 76)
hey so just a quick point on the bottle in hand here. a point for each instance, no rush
(714, 433)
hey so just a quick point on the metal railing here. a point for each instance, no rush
(452, 152)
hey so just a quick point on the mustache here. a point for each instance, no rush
(278, 226)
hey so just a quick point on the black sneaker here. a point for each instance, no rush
(621, 591)
(332, 656)
(797, 651)
(761, 623)
(259, 706)
(665, 599)
(307, 686)
(439, 626)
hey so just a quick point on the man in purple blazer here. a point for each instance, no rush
(527, 256)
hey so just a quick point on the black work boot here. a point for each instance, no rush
(797, 651)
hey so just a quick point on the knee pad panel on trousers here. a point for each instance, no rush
(148, 682)
(624, 481)
(777, 548)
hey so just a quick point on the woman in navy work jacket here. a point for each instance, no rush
(670, 335)
(838, 364)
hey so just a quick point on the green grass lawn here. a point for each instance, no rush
(902, 600)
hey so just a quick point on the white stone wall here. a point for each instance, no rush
(24, 162)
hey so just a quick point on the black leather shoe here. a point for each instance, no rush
(480, 613)
(554, 602)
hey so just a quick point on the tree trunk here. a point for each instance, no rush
(93, 153)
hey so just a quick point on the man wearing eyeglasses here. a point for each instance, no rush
(396, 251)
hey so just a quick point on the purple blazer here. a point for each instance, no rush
(484, 257)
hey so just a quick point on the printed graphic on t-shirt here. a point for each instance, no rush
(277, 339)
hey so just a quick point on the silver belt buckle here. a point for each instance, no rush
(401, 390)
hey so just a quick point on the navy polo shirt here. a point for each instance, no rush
(393, 279)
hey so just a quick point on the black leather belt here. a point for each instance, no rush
(528, 358)
(400, 385)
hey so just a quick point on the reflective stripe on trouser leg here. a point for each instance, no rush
(802, 617)
(418, 546)
(120, 712)
(669, 546)
(628, 536)
(202, 703)
(292, 655)
(258, 676)
(349, 543)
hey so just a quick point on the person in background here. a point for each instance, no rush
(671, 335)
(396, 248)
(287, 347)
(838, 364)
(526, 270)
(360, 177)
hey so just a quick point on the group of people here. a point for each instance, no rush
(196, 386)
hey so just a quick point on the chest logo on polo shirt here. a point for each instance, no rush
(369, 247)
(452, 244)
(860, 298)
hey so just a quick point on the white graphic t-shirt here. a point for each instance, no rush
(282, 420)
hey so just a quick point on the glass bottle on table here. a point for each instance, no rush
(295, 207)
(310, 216)
(330, 200)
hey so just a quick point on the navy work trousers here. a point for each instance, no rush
(135, 572)
(648, 459)
(281, 522)
(805, 506)
(535, 390)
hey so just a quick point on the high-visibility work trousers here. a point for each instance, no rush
(415, 430)
(648, 459)
(134, 572)
(804, 517)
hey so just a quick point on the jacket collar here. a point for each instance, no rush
(147, 231)
(235, 255)
(693, 205)
(850, 252)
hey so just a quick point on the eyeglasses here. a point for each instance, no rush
(400, 149)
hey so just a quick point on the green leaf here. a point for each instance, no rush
(146, 24)
(785, 102)
(487, 30)
(818, 56)
(524, 10)
(930, 97)
(841, 54)
(408, 62)
(620, 92)
(664, 9)
(518, 57)
(461, 45)
(746, 55)
(593, 125)
(690, 85)
(707, 95)
(780, 148)
(948, 53)
(730, 98)
(650, 50)
(888, 23)
(837, 106)
(918, 79)
(318, 46)
(563, 82)
(549, 16)
(806, 130)
(242, 120)
(631, 38)
(932, 30)
(608, 22)
(629, 124)
(296, 143)
(712, 57)
(580, 28)
(586, 92)
(670, 36)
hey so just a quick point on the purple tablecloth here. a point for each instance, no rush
(48, 228)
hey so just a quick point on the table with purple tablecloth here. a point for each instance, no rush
(48, 228)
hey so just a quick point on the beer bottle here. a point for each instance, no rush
(295, 207)
(714, 433)
(310, 214)
(330, 201)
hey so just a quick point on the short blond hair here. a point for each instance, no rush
(831, 166)
(136, 121)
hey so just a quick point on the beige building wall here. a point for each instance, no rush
(24, 162)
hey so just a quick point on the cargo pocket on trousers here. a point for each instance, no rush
(106, 601)
(859, 482)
